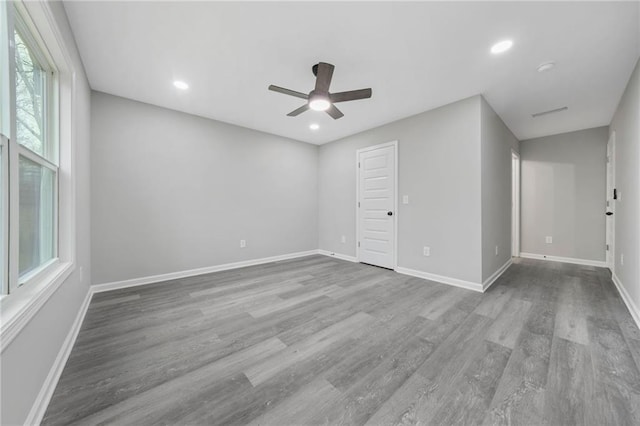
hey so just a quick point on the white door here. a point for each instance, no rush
(611, 206)
(377, 205)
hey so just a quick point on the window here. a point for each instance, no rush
(29, 156)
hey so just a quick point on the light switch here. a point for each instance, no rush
(405, 199)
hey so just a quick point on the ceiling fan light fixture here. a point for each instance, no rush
(319, 103)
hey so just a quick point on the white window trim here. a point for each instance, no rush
(19, 307)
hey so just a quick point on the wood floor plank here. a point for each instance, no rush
(615, 370)
(340, 292)
(571, 323)
(287, 303)
(115, 301)
(506, 329)
(634, 346)
(320, 341)
(519, 398)
(241, 407)
(149, 407)
(335, 342)
(378, 347)
(252, 293)
(296, 410)
(470, 396)
(569, 383)
(440, 303)
(421, 393)
(494, 303)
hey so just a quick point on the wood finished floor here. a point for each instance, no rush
(322, 341)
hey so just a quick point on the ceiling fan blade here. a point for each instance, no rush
(334, 112)
(299, 111)
(351, 95)
(323, 78)
(288, 92)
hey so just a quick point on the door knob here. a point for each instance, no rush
(389, 213)
(609, 213)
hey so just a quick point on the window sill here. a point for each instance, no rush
(17, 309)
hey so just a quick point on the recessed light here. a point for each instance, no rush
(314, 126)
(181, 85)
(501, 46)
(546, 66)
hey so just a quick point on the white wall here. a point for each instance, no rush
(175, 192)
(439, 169)
(26, 362)
(626, 124)
(563, 194)
(497, 144)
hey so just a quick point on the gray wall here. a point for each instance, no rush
(175, 192)
(439, 169)
(497, 143)
(626, 124)
(563, 194)
(26, 362)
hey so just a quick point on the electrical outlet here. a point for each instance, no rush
(548, 239)
(496, 250)
(343, 239)
(426, 251)
(622, 260)
(405, 199)
(243, 243)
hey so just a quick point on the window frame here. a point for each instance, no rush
(22, 304)
(28, 33)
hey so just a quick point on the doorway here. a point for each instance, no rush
(515, 204)
(611, 196)
(377, 222)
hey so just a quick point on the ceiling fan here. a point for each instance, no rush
(319, 99)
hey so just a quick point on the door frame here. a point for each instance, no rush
(610, 185)
(393, 144)
(515, 204)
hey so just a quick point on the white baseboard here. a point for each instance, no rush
(98, 288)
(633, 309)
(598, 263)
(489, 281)
(441, 279)
(39, 407)
(338, 255)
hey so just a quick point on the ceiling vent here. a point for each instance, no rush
(551, 111)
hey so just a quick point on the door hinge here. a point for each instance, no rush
(358, 243)
(358, 204)
(607, 247)
(358, 164)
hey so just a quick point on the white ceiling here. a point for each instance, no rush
(415, 56)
